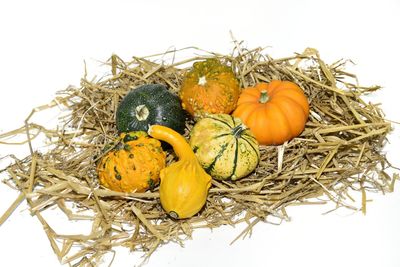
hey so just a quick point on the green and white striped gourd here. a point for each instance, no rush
(224, 146)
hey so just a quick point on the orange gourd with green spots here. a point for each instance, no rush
(133, 164)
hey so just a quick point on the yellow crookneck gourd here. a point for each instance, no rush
(184, 184)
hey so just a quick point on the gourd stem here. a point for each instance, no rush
(263, 97)
(142, 112)
(202, 81)
(238, 130)
(177, 141)
(174, 215)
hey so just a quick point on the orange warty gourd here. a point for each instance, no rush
(210, 87)
(133, 164)
(275, 112)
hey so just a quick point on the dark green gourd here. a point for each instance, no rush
(148, 105)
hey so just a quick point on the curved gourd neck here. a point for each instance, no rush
(177, 141)
(264, 97)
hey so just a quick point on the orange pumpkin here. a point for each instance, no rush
(210, 87)
(275, 112)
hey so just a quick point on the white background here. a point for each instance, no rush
(43, 46)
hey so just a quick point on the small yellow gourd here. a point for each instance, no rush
(184, 184)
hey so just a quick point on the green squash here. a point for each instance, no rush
(148, 105)
(224, 146)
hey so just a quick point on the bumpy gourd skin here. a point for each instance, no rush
(184, 184)
(210, 87)
(133, 165)
(224, 146)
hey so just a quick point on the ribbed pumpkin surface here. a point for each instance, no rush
(275, 112)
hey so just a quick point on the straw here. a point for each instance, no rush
(338, 158)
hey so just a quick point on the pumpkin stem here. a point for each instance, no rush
(263, 97)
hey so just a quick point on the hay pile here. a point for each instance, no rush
(339, 151)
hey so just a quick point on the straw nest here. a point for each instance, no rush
(339, 151)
